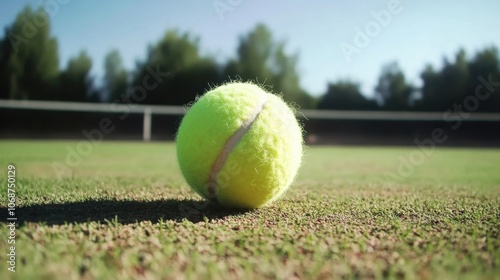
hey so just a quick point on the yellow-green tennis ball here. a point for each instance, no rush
(239, 146)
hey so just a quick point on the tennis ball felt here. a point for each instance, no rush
(239, 146)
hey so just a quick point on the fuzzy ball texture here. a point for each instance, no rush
(239, 146)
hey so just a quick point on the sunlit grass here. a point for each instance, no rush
(124, 212)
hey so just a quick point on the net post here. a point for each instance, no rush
(146, 129)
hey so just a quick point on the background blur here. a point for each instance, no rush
(437, 60)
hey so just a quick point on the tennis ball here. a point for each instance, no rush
(239, 146)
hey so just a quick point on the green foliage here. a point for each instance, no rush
(30, 65)
(174, 72)
(116, 77)
(459, 79)
(5, 77)
(446, 87)
(287, 79)
(345, 95)
(254, 56)
(485, 66)
(75, 82)
(392, 89)
(261, 59)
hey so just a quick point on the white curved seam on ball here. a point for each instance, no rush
(230, 144)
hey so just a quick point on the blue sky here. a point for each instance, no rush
(418, 32)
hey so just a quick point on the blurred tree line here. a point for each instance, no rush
(174, 72)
